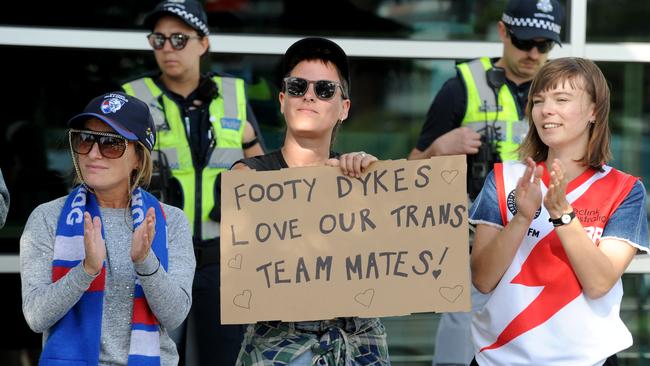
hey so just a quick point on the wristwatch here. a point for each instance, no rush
(563, 220)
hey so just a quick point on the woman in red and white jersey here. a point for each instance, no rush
(556, 231)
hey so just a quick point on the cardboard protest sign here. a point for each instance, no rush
(308, 243)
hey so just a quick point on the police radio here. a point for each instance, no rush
(482, 162)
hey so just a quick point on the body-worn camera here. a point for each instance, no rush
(482, 162)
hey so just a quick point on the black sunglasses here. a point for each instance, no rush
(324, 89)
(177, 40)
(111, 146)
(527, 45)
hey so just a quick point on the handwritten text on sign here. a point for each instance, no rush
(309, 243)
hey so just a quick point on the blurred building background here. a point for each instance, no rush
(59, 54)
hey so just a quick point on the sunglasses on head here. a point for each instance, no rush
(111, 145)
(527, 45)
(177, 40)
(324, 89)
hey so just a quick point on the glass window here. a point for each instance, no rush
(390, 97)
(436, 20)
(620, 21)
(389, 101)
(630, 110)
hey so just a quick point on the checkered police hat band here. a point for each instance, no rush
(531, 23)
(189, 17)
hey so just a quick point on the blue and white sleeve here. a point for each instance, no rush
(485, 209)
(629, 222)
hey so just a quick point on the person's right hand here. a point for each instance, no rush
(93, 244)
(461, 140)
(528, 194)
(352, 164)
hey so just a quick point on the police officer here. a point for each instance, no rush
(480, 112)
(203, 127)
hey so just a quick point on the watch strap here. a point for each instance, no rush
(558, 222)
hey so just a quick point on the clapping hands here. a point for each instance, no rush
(143, 237)
(94, 245)
(555, 200)
(528, 194)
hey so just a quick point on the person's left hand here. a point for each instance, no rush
(555, 199)
(352, 164)
(143, 237)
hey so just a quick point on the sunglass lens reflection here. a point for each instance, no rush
(297, 87)
(527, 45)
(177, 40)
(157, 41)
(110, 147)
(324, 89)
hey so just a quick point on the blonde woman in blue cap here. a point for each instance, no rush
(315, 101)
(107, 270)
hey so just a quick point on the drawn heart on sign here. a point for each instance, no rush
(451, 294)
(436, 273)
(449, 175)
(243, 300)
(365, 298)
(235, 262)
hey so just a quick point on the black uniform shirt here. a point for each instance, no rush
(198, 120)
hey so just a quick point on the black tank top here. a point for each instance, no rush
(271, 161)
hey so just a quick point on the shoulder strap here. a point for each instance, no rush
(143, 92)
(228, 92)
(254, 163)
(479, 73)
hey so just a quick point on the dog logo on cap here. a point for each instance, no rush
(112, 105)
(545, 6)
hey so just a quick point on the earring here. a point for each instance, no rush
(593, 121)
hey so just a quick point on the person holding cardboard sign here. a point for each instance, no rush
(555, 296)
(314, 100)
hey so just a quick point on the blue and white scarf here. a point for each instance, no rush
(75, 339)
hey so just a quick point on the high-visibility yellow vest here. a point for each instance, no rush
(482, 106)
(228, 119)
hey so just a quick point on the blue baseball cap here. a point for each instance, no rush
(127, 115)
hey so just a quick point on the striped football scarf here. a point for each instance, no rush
(75, 339)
